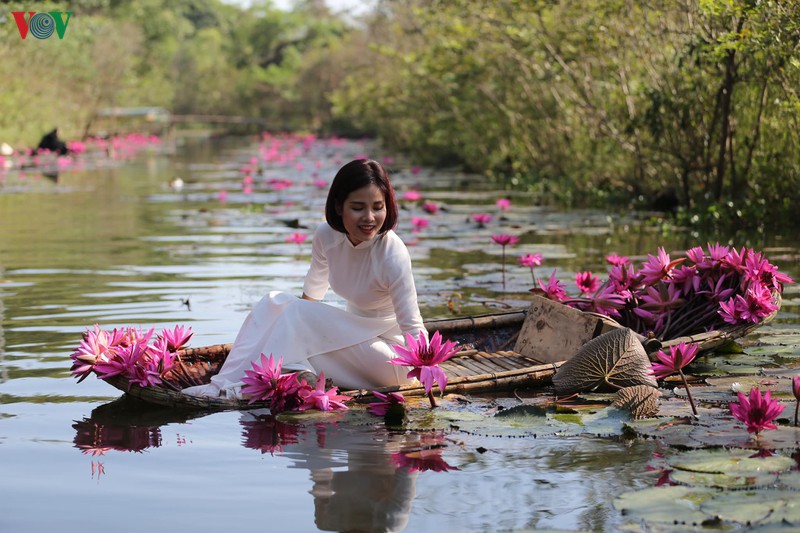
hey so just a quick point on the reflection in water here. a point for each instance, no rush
(126, 425)
(362, 481)
(363, 478)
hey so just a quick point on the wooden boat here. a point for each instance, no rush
(494, 355)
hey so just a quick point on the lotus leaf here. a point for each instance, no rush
(731, 462)
(756, 507)
(723, 481)
(669, 505)
(608, 362)
(640, 400)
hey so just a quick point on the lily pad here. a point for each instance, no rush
(791, 480)
(722, 481)
(755, 507)
(730, 462)
(666, 505)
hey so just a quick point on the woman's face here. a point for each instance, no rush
(363, 213)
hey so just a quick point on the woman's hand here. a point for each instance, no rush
(306, 297)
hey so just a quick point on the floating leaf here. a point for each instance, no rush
(732, 462)
(723, 481)
(756, 507)
(606, 363)
(668, 505)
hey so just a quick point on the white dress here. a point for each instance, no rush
(351, 346)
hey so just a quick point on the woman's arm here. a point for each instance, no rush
(316, 283)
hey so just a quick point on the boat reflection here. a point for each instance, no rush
(125, 424)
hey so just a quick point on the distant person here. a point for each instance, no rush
(358, 255)
(50, 142)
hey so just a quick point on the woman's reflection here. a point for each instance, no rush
(364, 479)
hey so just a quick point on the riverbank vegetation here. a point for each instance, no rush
(689, 106)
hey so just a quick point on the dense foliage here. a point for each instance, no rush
(691, 105)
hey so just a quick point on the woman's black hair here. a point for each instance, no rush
(351, 177)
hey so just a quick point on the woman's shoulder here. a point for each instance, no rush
(392, 244)
(325, 233)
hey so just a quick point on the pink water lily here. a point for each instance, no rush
(504, 204)
(796, 392)
(176, 338)
(505, 240)
(297, 238)
(679, 357)
(261, 381)
(430, 207)
(319, 398)
(617, 260)
(587, 282)
(658, 267)
(482, 218)
(554, 289)
(386, 401)
(419, 223)
(757, 412)
(97, 345)
(412, 196)
(424, 358)
(530, 261)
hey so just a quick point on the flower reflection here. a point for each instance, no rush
(268, 435)
(95, 438)
(425, 456)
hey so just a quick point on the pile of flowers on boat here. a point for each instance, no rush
(133, 353)
(670, 298)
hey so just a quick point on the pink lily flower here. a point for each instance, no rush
(380, 408)
(288, 393)
(412, 196)
(419, 223)
(96, 345)
(504, 204)
(505, 240)
(482, 218)
(757, 412)
(319, 398)
(261, 381)
(658, 267)
(554, 289)
(617, 260)
(424, 358)
(176, 338)
(679, 357)
(530, 261)
(430, 207)
(587, 282)
(297, 238)
(123, 363)
(796, 392)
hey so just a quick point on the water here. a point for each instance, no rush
(115, 244)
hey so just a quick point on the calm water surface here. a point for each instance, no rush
(115, 244)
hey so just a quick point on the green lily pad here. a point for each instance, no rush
(755, 507)
(778, 340)
(790, 480)
(734, 462)
(666, 505)
(722, 481)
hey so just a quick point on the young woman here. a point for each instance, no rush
(358, 255)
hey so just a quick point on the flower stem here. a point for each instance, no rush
(430, 397)
(504, 268)
(688, 393)
(796, 408)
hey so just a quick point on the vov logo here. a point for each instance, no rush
(42, 25)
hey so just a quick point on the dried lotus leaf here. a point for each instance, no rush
(608, 362)
(640, 400)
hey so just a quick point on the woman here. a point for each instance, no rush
(358, 255)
